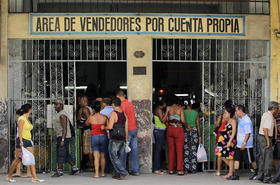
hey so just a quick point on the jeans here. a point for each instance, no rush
(116, 152)
(99, 143)
(133, 144)
(160, 140)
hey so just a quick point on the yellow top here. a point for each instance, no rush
(27, 127)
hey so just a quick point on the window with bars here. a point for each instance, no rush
(141, 6)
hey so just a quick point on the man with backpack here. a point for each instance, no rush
(118, 126)
(64, 132)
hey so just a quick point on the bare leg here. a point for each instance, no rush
(91, 159)
(96, 163)
(254, 165)
(103, 164)
(18, 172)
(219, 164)
(32, 167)
(230, 164)
(236, 165)
(14, 165)
(275, 162)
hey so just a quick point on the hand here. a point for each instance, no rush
(243, 146)
(199, 140)
(228, 145)
(189, 128)
(102, 127)
(62, 143)
(268, 144)
(21, 144)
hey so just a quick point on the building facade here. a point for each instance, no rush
(219, 49)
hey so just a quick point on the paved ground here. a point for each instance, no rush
(146, 179)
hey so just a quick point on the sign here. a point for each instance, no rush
(175, 24)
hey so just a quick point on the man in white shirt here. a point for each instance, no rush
(264, 141)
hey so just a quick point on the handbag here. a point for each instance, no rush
(118, 132)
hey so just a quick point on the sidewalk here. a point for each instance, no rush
(146, 179)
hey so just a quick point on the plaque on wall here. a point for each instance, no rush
(139, 71)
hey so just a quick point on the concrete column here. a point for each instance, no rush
(140, 93)
(275, 51)
(4, 88)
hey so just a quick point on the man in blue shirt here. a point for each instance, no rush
(244, 147)
(107, 109)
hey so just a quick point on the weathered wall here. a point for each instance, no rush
(275, 51)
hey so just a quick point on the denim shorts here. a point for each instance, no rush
(99, 143)
(26, 143)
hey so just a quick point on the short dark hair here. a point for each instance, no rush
(120, 93)
(242, 108)
(96, 106)
(25, 108)
(230, 110)
(107, 101)
(117, 102)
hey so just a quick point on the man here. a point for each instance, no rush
(265, 145)
(244, 148)
(128, 109)
(63, 134)
(83, 115)
(117, 144)
(107, 109)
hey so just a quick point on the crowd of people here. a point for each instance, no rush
(110, 133)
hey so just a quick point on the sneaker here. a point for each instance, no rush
(268, 181)
(254, 177)
(58, 174)
(135, 174)
(74, 170)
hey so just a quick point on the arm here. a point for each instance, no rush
(247, 136)
(88, 121)
(86, 113)
(126, 128)
(265, 131)
(166, 115)
(63, 122)
(112, 120)
(233, 124)
(160, 115)
(198, 129)
(218, 121)
(20, 126)
(182, 116)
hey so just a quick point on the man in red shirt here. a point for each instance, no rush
(128, 109)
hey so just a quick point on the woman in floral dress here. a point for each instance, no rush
(226, 142)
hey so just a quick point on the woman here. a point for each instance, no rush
(24, 140)
(226, 143)
(175, 134)
(98, 123)
(19, 113)
(192, 139)
(159, 134)
(219, 126)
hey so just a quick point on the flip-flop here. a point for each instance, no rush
(11, 180)
(171, 172)
(180, 173)
(103, 175)
(158, 172)
(16, 175)
(95, 177)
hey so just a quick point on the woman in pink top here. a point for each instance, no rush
(98, 138)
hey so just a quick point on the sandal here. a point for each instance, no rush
(38, 180)
(16, 175)
(180, 173)
(171, 172)
(158, 172)
(11, 180)
(217, 174)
